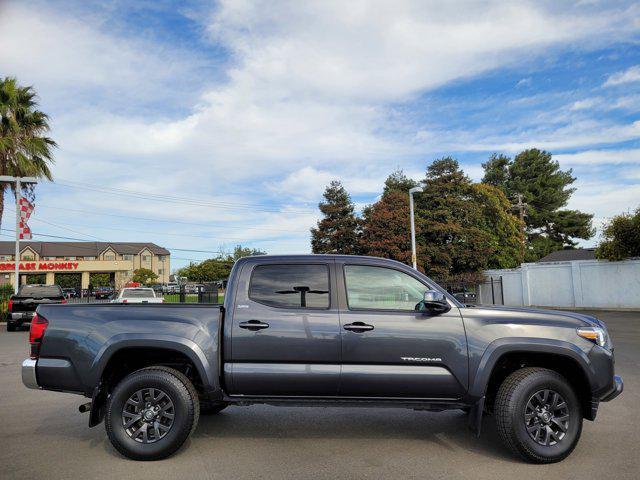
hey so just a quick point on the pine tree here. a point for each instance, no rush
(451, 243)
(339, 230)
(545, 188)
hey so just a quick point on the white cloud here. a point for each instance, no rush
(632, 74)
(309, 93)
(600, 157)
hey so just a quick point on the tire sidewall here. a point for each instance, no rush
(182, 423)
(523, 393)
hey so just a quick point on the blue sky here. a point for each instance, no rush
(200, 125)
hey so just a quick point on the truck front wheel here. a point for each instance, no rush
(538, 415)
(151, 413)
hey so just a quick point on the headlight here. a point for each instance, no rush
(596, 334)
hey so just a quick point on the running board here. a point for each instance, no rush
(373, 402)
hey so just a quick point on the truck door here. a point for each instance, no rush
(389, 349)
(285, 337)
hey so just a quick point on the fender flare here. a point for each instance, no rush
(188, 347)
(496, 349)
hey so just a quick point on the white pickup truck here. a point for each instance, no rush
(137, 295)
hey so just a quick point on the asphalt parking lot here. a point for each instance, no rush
(44, 436)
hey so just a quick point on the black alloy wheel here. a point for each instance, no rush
(148, 415)
(547, 417)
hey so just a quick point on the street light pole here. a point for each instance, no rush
(414, 258)
(18, 181)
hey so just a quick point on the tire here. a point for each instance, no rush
(522, 406)
(11, 327)
(169, 425)
(208, 407)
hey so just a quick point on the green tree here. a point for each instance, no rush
(338, 231)
(463, 227)
(144, 276)
(385, 224)
(25, 150)
(452, 244)
(546, 189)
(210, 270)
(621, 237)
(214, 269)
(505, 230)
(239, 251)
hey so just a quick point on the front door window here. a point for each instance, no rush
(379, 288)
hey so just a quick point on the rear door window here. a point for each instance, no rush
(291, 286)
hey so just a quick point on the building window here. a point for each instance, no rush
(6, 257)
(69, 258)
(127, 257)
(49, 258)
(160, 271)
(161, 258)
(89, 258)
(110, 257)
(146, 258)
(28, 257)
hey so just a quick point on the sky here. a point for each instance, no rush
(201, 125)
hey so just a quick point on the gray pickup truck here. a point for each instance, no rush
(325, 330)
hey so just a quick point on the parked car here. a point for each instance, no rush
(466, 297)
(326, 330)
(171, 287)
(70, 292)
(22, 306)
(103, 292)
(137, 295)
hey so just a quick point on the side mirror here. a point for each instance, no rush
(434, 302)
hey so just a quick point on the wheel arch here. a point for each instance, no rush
(504, 356)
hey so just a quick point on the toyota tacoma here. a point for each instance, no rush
(323, 330)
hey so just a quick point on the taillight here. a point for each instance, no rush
(36, 332)
(10, 305)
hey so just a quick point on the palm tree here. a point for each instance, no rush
(24, 149)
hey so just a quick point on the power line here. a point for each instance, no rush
(131, 244)
(102, 214)
(177, 199)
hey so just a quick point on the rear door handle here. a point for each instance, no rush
(358, 327)
(253, 325)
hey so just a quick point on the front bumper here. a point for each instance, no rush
(618, 387)
(29, 373)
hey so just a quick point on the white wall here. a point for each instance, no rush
(580, 284)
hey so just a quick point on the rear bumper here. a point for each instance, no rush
(618, 387)
(29, 374)
(22, 317)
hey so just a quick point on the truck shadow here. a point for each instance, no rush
(445, 429)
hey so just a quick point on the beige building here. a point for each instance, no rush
(81, 259)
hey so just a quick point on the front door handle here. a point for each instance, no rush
(253, 325)
(358, 327)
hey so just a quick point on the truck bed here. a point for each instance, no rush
(81, 339)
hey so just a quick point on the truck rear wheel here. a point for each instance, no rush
(151, 413)
(538, 415)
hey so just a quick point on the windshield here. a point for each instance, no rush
(138, 293)
(40, 291)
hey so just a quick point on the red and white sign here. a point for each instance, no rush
(26, 209)
(39, 266)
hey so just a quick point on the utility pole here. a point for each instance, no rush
(19, 181)
(414, 258)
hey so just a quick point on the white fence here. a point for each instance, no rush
(576, 284)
